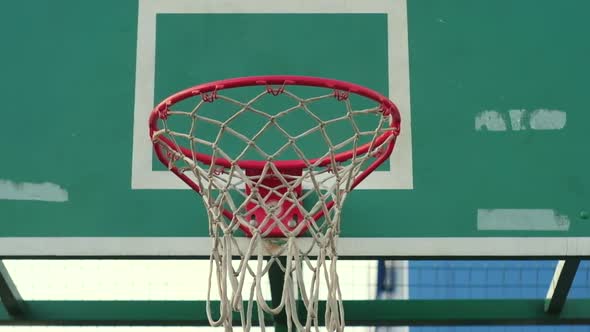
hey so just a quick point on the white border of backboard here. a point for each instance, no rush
(400, 175)
(475, 247)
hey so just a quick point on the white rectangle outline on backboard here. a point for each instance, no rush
(400, 175)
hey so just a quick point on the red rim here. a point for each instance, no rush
(388, 108)
(207, 90)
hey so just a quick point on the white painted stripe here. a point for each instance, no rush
(199, 246)
(27, 191)
(400, 175)
(269, 6)
(145, 66)
(521, 220)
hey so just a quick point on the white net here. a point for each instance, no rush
(290, 214)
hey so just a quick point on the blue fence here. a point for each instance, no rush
(481, 280)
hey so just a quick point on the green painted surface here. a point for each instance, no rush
(386, 312)
(69, 80)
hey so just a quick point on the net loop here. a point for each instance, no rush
(163, 112)
(341, 95)
(219, 170)
(209, 97)
(273, 91)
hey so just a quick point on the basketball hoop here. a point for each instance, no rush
(285, 206)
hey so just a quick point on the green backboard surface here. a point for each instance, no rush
(492, 160)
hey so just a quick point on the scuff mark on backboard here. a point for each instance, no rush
(490, 120)
(521, 220)
(544, 119)
(520, 120)
(27, 191)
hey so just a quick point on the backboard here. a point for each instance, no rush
(491, 160)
